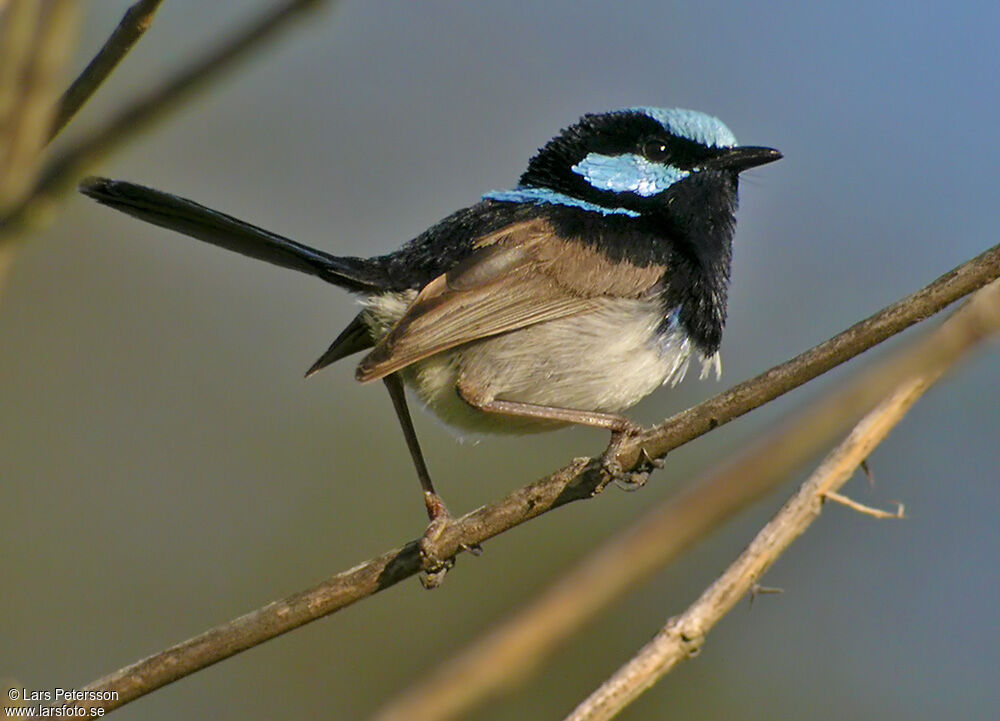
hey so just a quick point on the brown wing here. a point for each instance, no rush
(516, 278)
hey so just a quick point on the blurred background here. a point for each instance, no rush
(165, 467)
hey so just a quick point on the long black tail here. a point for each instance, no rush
(186, 216)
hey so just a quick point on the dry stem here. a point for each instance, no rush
(65, 170)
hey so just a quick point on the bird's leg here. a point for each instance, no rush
(622, 429)
(435, 506)
(437, 512)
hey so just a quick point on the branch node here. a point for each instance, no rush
(691, 639)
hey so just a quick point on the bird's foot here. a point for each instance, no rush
(636, 477)
(435, 567)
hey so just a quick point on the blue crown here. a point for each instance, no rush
(693, 125)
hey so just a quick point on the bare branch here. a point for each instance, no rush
(133, 26)
(574, 482)
(65, 170)
(683, 636)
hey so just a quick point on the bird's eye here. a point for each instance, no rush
(655, 150)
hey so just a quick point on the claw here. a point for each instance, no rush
(648, 460)
(637, 477)
(631, 481)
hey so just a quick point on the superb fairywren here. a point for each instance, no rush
(565, 300)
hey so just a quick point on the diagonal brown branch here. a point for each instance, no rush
(574, 482)
(66, 169)
(133, 26)
(683, 636)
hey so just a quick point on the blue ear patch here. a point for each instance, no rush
(690, 124)
(628, 173)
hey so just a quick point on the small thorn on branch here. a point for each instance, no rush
(868, 473)
(862, 508)
(758, 590)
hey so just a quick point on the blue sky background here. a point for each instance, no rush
(165, 467)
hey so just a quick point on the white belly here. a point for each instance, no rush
(606, 361)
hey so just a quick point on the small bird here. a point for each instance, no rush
(565, 300)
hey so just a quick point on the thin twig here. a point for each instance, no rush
(65, 170)
(35, 39)
(133, 25)
(574, 482)
(683, 636)
(862, 508)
